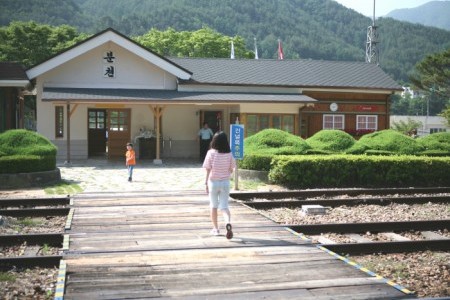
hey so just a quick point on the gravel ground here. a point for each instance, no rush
(426, 273)
(13, 225)
(36, 283)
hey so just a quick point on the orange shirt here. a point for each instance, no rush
(130, 157)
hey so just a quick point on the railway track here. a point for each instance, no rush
(34, 202)
(35, 208)
(385, 200)
(354, 231)
(369, 247)
(303, 194)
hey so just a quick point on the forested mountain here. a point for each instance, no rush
(434, 13)
(316, 29)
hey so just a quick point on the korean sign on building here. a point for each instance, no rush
(237, 140)
(109, 70)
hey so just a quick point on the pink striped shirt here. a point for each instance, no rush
(220, 164)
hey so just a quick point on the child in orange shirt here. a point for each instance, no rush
(130, 160)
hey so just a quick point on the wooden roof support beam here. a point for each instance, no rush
(157, 112)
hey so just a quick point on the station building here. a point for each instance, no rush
(108, 90)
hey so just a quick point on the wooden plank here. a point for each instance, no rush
(153, 247)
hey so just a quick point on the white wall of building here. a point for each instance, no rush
(87, 71)
(430, 123)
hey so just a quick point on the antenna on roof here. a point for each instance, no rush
(372, 52)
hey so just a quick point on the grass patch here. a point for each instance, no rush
(248, 185)
(63, 188)
(45, 250)
(29, 222)
(5, 276)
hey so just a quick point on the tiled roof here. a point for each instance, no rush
(290, 73)
(12, 71)
(169, 96)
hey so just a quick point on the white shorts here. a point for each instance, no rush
(219, 192)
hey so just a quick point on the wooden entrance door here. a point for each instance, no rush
(96, 132)
(118, 122)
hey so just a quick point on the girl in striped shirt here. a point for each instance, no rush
(219, 164)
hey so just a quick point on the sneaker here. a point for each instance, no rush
(215, 232)
(129, 179)
(229, 232)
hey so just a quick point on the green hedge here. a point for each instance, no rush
(26, 164)
(256, 162)
(274, 142)
(387, 140)
(439, 142)
(24, 151)
(338, 171)
(330, 141)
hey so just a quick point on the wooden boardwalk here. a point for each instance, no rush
(159, 246)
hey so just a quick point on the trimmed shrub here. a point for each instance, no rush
(21, 141)
(331, 141)
(26, 151)
(256, 162)
(337, 171)
(387, 140)
(26, 164)
(274, 142)
(437, 141)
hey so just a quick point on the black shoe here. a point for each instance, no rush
(129, 179)
(229, 234)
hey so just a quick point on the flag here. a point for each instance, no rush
(232, 50)
(256, 50)
(280, 50)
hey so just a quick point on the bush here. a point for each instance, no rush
(337, 171)
(387, 140)
(26, 164)
(24, 151)
(437, 141)
(331, 141)
(274, 142)
(21, 141)
(256, 162)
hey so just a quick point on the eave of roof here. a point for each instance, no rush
(166, 96)
(12, 74)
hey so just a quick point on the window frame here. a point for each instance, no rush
(366, 122)
(334, 116)
(269, 121)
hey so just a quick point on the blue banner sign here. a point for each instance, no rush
(237, 140)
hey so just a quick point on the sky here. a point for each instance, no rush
(382, 7)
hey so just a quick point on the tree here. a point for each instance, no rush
(407, 127)
(204, 42)
(446, 114)
(432, 76)
(30, 43)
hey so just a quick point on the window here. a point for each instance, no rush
(257, 122)
(288, 123)
(59, 121)
(366, 122)
(118, 120)
(435, 130)
(333, 122)
(96, 119)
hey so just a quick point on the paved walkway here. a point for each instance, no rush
(101, 175)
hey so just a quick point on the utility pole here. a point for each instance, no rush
(372, 52)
